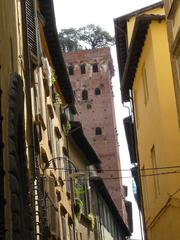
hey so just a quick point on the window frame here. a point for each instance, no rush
(71, 70)
(97, 91)
(83, 68)
(145, 85)
(84, 95)
(155, 171)
(95, 67)
(98, 131)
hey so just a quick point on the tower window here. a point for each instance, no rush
(97, 91)
(83, 68)
(84, 95)
(71, 70)
(95, 67)
(98, 131)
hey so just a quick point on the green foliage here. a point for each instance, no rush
(88, 37)
(91, 219)
(69, 40)
(56, 99)
(78, 204)
(53, 76)
(79, 191)
(67, 128)
(95, 36)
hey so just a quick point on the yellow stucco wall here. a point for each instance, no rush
(157, 125)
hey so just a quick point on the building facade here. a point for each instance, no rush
(90, 73)
(172, 10)
(147, 83)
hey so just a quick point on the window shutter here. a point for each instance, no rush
(71, 233)
(37, 94)
(63, 219)
(32, 37)
(52, 204)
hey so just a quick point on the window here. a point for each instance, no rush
(98, 131)
(145, 86)
(95, 67)
(155, 171)
(71, 70)
(97, 91)
(84, 95)
(58, 154)
(83, 68)
(84, 197)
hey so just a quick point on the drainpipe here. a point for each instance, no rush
(139, 172)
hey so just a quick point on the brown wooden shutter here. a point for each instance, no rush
(31, 27)
(52, 205)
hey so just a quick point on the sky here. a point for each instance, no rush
(71, 13)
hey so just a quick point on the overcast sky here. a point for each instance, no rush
(71, 13)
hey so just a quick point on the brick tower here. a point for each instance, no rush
(90, 74)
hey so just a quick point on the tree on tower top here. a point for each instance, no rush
(88, 37)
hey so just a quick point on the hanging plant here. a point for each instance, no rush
(67, 128)
(53, 77)
(56, 99)
(92, 220)
(79, 191)
(78, 205)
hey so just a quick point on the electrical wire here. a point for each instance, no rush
(116, 178)
(116, 170)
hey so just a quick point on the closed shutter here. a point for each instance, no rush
(64, 227)
(50, 134)
(37, 94)
(59, 160)
(71, 233)
(52, 205)
(31, 26)
(67, 178)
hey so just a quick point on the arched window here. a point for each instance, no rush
(83, 68)
(71, 70)
(97, 91)
(98, 131)
(95, 67)
(84, 95)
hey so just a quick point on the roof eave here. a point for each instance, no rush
(137, 42)
(50, 30)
